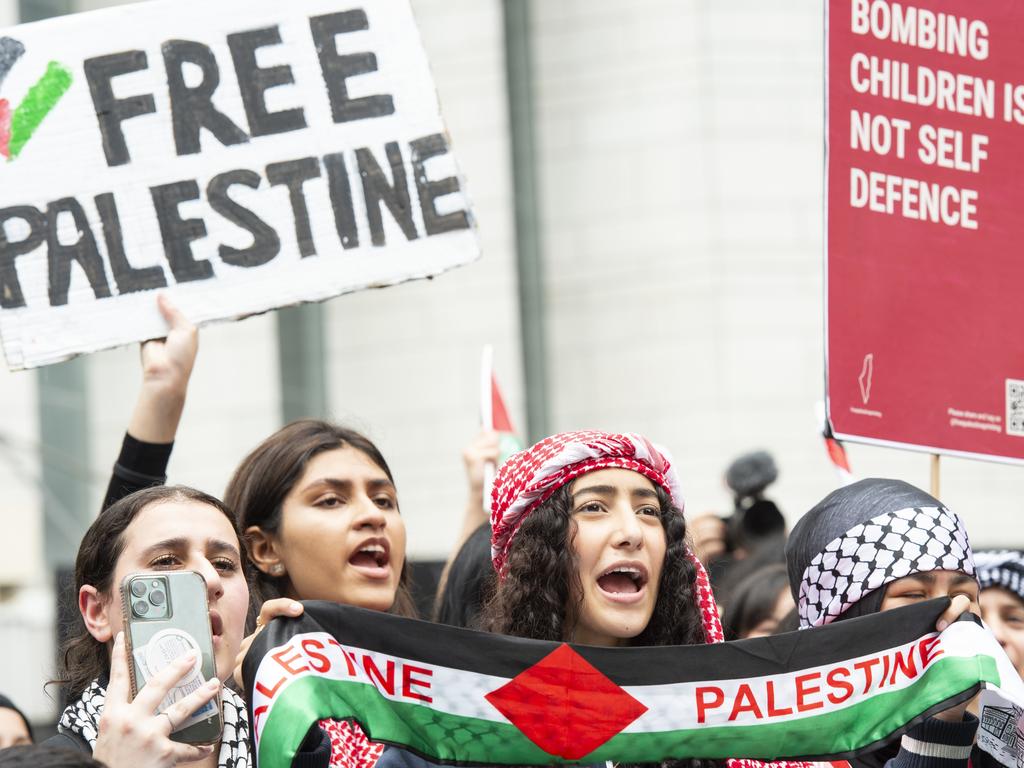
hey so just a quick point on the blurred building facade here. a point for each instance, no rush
(647, 181)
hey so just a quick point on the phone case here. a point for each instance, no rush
(165, 614)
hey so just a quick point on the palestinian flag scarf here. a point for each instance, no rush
(455, 696)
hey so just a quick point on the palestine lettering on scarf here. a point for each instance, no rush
(806, 692)
(456, 696)
(326, 656)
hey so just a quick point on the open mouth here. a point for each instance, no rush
(623, 582)
(216, 626)
(372, 559)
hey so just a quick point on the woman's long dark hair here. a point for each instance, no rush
(267, 475)
(535, 599)
(753, 600)
(83, 658)
(470, 581)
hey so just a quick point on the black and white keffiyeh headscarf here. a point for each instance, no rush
(82, 718)
(1001, 568)
(864, 536)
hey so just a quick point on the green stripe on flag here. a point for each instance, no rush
(451, 738)
(428, 731)
(40, 99)
(828, 734)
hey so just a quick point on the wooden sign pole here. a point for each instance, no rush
(935, 475)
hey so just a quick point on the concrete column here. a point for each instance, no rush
(529, 257)
(8, 13)
(36, 10)
(64, 447)
(301, 350)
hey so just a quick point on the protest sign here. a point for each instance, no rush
(459, 697)
(241, 155)
(925, 149)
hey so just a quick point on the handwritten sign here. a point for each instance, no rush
(241, 155)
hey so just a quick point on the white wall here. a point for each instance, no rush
(21, 509)
(232, 404)
(8, 12)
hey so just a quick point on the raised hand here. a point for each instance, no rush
(166, 368)
(168, 361)
(483, 449)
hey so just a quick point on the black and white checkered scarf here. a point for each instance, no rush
(1001, 568)
(82, 718)
(864, 536)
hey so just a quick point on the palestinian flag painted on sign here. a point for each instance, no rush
(456, 696)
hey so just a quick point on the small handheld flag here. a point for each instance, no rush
(494, 416)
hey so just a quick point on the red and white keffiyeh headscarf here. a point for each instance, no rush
(531, 477)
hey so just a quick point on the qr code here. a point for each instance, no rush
(1015, 407)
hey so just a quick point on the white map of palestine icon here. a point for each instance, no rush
(866, 370)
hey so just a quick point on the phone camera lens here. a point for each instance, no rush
(138, 588)
(157, 597)
(141, 608)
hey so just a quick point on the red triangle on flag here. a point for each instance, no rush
(499, 414)
(565, 705)
(837, 453)
(5, 128)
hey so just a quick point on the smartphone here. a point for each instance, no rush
(165, 615)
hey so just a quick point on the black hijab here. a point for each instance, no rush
(859, 538)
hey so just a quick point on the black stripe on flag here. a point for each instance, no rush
(502, 656)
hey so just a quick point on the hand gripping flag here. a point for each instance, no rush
(455, 696)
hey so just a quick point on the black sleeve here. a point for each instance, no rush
(936, 743)
(140, 465)
(315, 750)
(67, 741)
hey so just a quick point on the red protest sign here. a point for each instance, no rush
(924, 161)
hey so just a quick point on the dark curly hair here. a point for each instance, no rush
(535, 599)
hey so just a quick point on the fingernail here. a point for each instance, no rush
(213, 683)
(942, 625)
(295, 607)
